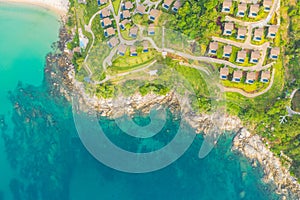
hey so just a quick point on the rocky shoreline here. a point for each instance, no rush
(60, 75)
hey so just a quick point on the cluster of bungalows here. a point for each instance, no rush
(132, 49)
(167, 4)
(250, 77)
(106, 22)
(242, 32)
(242, 8)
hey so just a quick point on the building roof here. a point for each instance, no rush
(177, 4)
(133, 30)
(275, 51)
(259, 32)
(242, 54)
(151, 28)
(105, 12)
(125, 22)
(254, 8)
(229, 26)
(141, 9)
(267, 3)
(265, 75)
(145, 44)
(227, 3)
(213, 46)
(107, 21)
(132, 49)
(154, 13)
(238, 74)
(168, 2)
(273, 29)
(251, 76)
(227, 49)
(242, 31)
(103, 1)
(242, 7)
(255, 55)
(128, 5)
(126, 14)
(224, 71)
(110, 31)
(114, 41)
(122, 48)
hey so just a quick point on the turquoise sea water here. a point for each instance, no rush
(42, 157)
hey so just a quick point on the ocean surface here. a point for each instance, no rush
(42, 157)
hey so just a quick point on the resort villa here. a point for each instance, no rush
(242, 8)
(226, 6)
(258, 34)
(213, 47)
(127, 5)
(133, 51)
(151, 29)
(153, 14)
(255, 55)
(241, 56)
(105, 12)
(122, 49)
(145, 46)
(141, 9)
(274, 53)
(124, 23)
(113, 42)
(272, 31)
(125, 14)
(227, 50)
(267, 5)
(265, 76)
(228, 28)
(254, 9)
(106, 22)
(109, 32)
(101, 2)
(176, 6)
(237, 76)
(241, 34)
(167, 4)
(224, 72)
(251, 76)
(133, 31)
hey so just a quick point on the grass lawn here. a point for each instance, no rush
(116, 5)
(127, 62)
(250, 88)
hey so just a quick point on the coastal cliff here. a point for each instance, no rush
(60, 75)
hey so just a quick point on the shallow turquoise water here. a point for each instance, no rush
(44, 159)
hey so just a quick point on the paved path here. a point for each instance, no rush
(261, 23)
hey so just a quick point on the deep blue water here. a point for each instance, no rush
(47, 160)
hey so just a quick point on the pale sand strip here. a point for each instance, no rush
(59, 7)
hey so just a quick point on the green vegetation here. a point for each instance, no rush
(296, 102)
(116, 5)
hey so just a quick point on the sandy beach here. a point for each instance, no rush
(59, 7)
